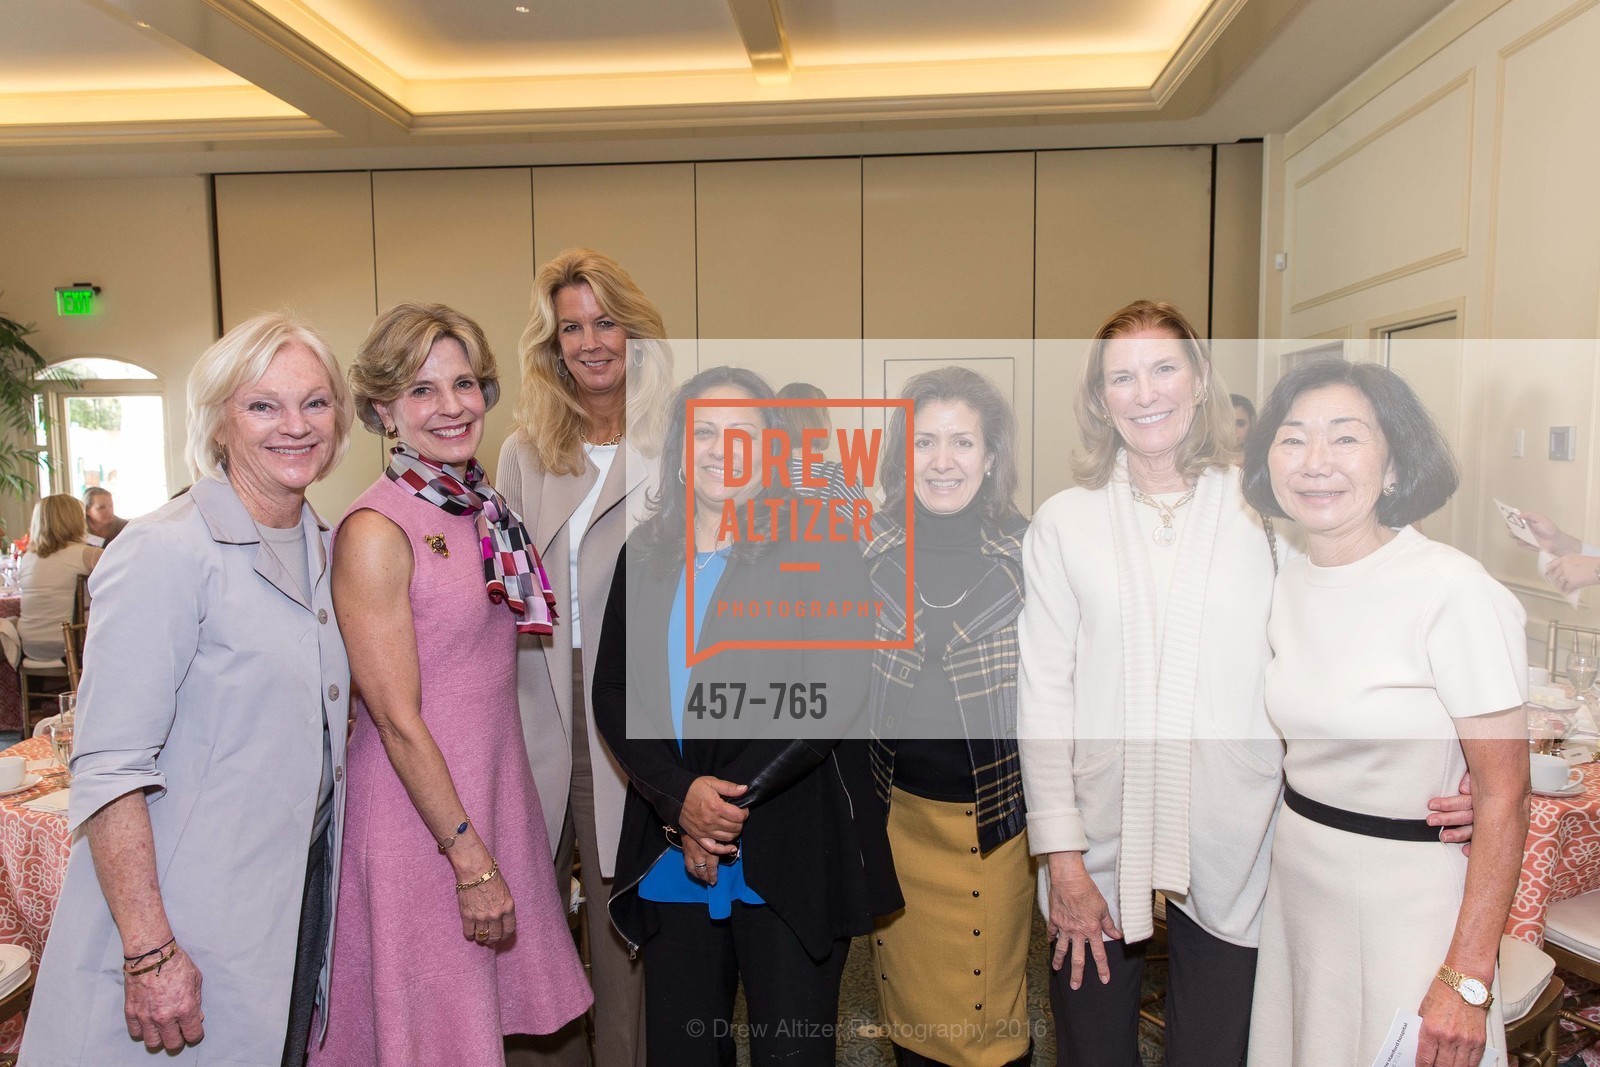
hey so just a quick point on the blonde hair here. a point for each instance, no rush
(549, 413)
(57, 522)
(397, 346)
(240, 358)
(1209, 442)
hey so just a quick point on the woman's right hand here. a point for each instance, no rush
(162, 1008)
(707, 813)
(1078, 917)
(487, 908)
(1551, 538)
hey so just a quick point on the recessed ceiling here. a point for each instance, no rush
(353, 82)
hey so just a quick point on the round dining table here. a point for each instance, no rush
(33, 860)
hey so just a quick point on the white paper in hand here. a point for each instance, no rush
(1400, 1046)
(1545, 559)
(1514, 524)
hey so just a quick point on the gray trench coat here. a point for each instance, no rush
(205, 681)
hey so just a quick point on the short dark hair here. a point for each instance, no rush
(1244, 402)
(1425, 472)
(949, 385)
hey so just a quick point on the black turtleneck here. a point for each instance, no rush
(932, 759)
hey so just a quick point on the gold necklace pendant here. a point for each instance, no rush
(436, 542)
(1165, 535)
(603, 444)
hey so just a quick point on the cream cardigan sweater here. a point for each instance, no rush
(1159, 765)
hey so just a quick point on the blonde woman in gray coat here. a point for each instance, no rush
(208, 780)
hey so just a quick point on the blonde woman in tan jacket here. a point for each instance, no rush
(577, 468)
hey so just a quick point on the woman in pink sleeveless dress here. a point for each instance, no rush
(450, 932)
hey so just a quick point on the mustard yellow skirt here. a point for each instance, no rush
(952, 965)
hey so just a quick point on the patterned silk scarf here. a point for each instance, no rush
(511, 565)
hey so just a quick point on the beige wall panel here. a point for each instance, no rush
(1118, 225)
(304, 242)
(948, 248)
(1236, 260)
(779, 248)
(147, 244)
(1535, 385)
(462, 238)
(641, 216)
(1393, 202)
(1546, 215)
(1058, 363)
(1430, 358)
(1008, 363)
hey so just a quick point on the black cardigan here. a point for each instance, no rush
(817, 852)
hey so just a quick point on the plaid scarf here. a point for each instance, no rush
(511, 565)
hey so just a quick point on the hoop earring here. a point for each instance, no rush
(391, 432)
(1391, 489)
(681, 479)
(638, 358)
(561, 367)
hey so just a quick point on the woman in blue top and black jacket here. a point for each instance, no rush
(751, 846)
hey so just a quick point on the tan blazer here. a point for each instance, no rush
(544, 664)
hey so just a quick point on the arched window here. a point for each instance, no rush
(108, 431)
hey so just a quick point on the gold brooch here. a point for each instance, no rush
(436, 542)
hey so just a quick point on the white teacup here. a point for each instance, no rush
(1549, 774)
(1538, 676)
(12, 770)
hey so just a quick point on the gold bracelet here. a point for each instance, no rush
(494, 869)
(156, 966)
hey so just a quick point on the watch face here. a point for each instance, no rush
(1473, 991)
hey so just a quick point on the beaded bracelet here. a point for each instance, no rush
(152, 952)
(160, 962)
(494, 869)
(452, 839)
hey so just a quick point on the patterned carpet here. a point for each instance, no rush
(859, 1018)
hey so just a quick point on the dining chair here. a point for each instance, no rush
(72, 638)
(1572, 938)
(1560, 634)
(1530, 996)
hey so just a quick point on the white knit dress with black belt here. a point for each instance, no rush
(1373, 662)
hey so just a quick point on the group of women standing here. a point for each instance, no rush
(1120, 689)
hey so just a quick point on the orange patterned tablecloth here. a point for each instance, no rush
(33, 860)
(1561, 858)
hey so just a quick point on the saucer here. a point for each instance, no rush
(1575, 789)
(28, 782)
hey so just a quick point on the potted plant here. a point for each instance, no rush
(21, 419)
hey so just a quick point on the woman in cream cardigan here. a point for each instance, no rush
(1147, 757)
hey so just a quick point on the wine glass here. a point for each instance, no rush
(69, 705)
(60, 733)
(1581, 670)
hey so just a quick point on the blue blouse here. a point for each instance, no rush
(667, 882)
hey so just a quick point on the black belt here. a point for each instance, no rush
(1356, 822)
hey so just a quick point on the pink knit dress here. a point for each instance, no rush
(407, 988)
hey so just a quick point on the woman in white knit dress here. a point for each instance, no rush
(1397, 663)
(1147, 758)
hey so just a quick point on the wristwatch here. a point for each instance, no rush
(1472, 990)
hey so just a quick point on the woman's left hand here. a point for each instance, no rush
(1453, 815)
(700, 864)
(1453, 1031)
(1571, 573)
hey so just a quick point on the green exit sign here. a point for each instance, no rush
(75, 300)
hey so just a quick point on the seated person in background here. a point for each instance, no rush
(57, 555)
(801, 419)
(1575, 565)
(103, 521)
